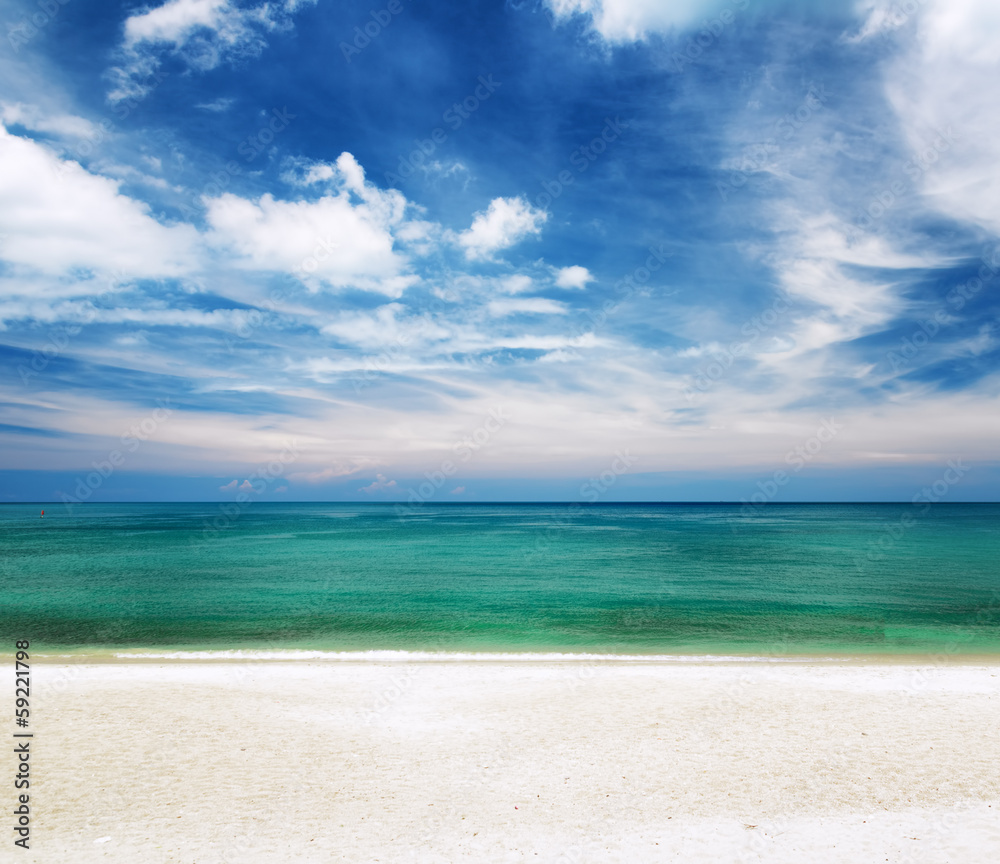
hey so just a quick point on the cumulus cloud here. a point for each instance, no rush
(201, 33)
(380, 484)
(344, 238)
(504, 223)
(231, 486)
(58, 216)
(573, 277)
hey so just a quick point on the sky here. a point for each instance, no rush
(573, 250)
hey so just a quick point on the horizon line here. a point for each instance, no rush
(509, 503)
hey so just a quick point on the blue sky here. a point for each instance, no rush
(585, 250)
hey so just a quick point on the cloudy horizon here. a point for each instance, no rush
(588, 250)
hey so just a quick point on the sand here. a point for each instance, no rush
(548, 762)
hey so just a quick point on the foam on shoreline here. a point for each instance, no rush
(445, 657)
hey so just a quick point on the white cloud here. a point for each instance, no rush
(58, 216)
(231, 485)
(385, 326)
(41, 309)
(504, 223)
(631, 20)
(945, 81)
(526, 306)
(308, 172)
(573, 277)
(446, 169)
(380, 484)
(31, 117)
(337, 469)
(216, 106)
(344, 238)
(516, 284)
(816, 261)
(127, 172)
(879, 17)
(175, 20)
(202, 33)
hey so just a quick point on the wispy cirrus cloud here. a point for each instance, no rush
(200, 33)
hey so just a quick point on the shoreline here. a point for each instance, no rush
(391, 657)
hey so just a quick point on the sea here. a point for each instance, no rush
(778, 582)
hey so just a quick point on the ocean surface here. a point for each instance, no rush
(703, 579)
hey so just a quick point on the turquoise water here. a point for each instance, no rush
(676, 579)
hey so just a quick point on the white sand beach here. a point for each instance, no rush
(514, 761)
